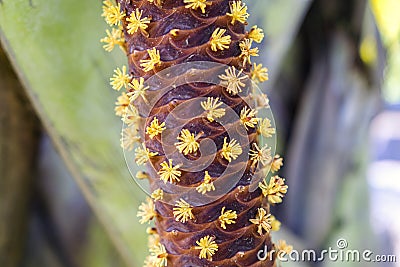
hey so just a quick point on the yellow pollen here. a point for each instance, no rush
(207, 247)
(183, 211)
(188, 142)
(150, 64)
(247, 117)
(218, 41)
(195, 4)
(143, 155)
(256, 34)
(263, 220)
(230, 150)
(238, 12)
(155, 128)
(232, 80)
(247, 51)
(136, 22)
(259, 74)
(168, 172)
(227, 217)
(147, 211)
(211, 106)
(275, 190)
(120, 79)
(207, 185)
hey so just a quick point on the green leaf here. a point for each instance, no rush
(54, 46)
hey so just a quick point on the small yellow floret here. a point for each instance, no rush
(275, 190)
(195, 4)
(256, 34)
(247, 51)
(238, 12)
(247, 117)
(263, 220)
(157, 194)
(262, 155)
(136, 22)
(258, 73)
(155, 128)
(143, 155)
(183, 211)
(211, 106)
(218, 41)
(113, 38)
(231, 150)
(112, 13)
(158, 256)
(207, 185)
(265, 128)
(150, 64)
(138, 89)
(207, 247)
(227, 217)
(147, 211)
(120, 79)
(232, 80)
(188, 142)
(168, 172)
(121, 105)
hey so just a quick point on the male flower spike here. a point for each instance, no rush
(157, 34)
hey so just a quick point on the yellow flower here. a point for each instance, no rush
(262, 155)
(283, 248)
(129, 137)
(275, 190)
(120, 79)
(263, 220)
(247, 51)
(227, 217)
(265, 128)
(188, 142)
(138, 89)
(112, 13)
(211, 106)
(143, 155)
(258, 73)
(159, 255)
(207, 247)
(155, 128)
(247, 117)
(218, 41)
(238, 12)
(142, 175)
(131, 116)
(231, 150)
(256, 34)
(195, 4)
(232, 80)
(277, 163)
(146, 211)
(157, 194)
(150, 64)
(113, 38)
(207, 185)
(275, 224)
(135, 21)
(168, 172)
(183, 211)
(121, 105)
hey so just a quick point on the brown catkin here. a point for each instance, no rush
(181, 33)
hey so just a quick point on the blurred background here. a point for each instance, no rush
(66, 197)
